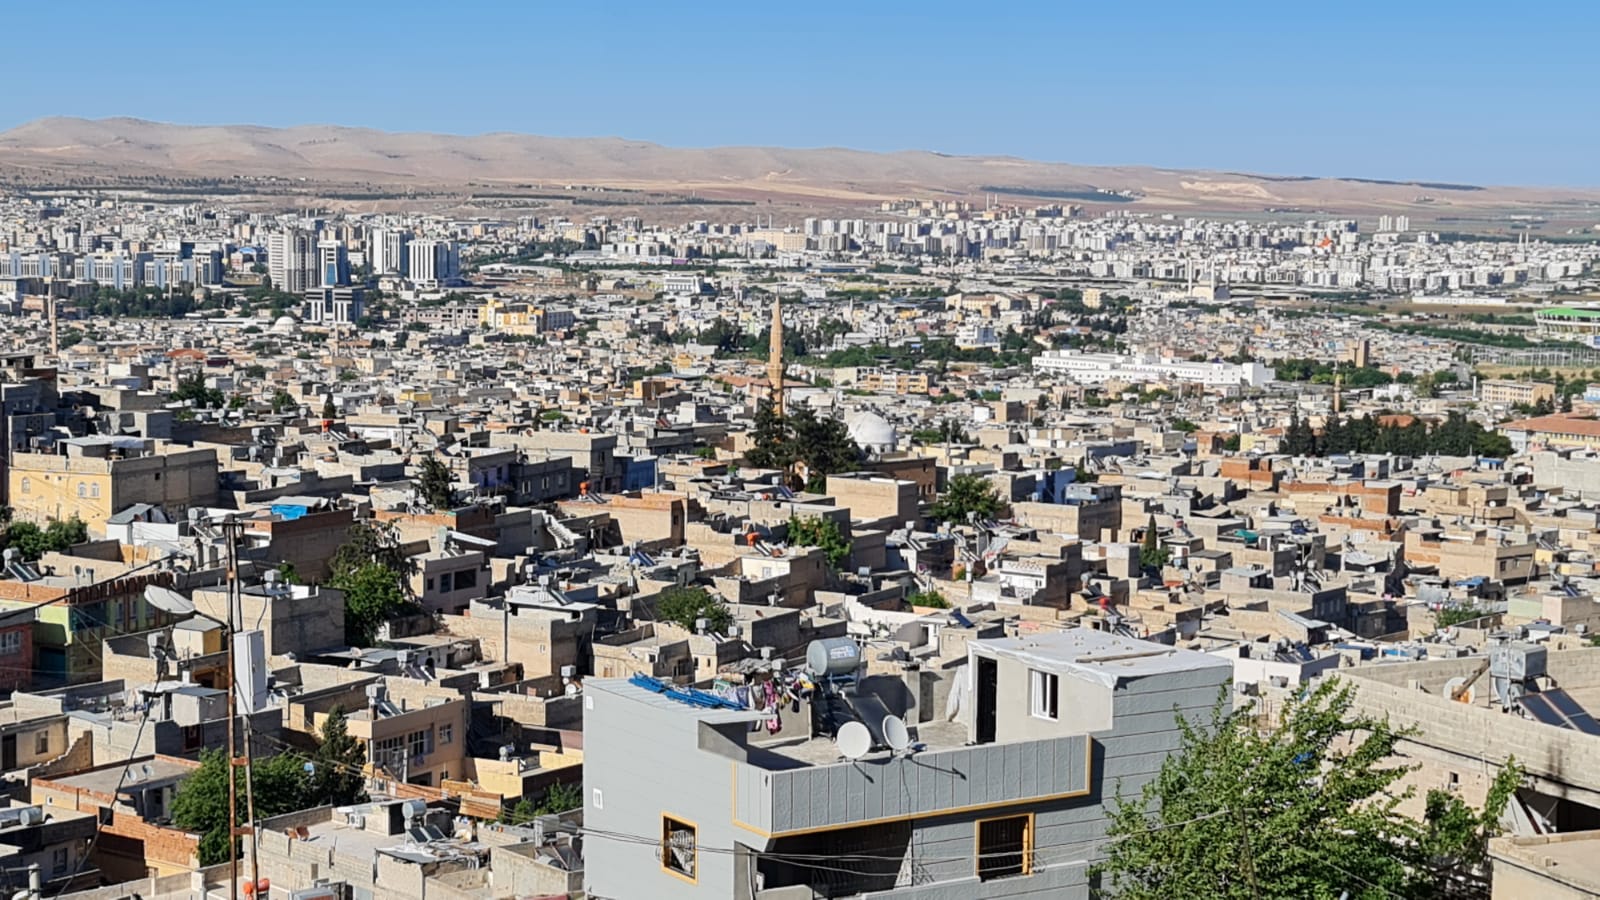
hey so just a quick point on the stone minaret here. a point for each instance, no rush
(775, 358)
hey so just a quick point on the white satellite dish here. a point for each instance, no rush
(895, 734)
(854, 740)
(168, 600)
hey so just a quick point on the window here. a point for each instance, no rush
(446, 733)
(41, 742)
(466, 578)
(94, 491)
(1005, 846)
(27, 485)
(678, 849)
(386, 752)
(83, 490)
(1042, 694)
(10, 643)
(421, 743)
(58, 861)
(430, 585)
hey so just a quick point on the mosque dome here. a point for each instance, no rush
(871, 431)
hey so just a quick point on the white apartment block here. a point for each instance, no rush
(1099, 368)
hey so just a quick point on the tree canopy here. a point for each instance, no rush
(434, 483)
(192, 388)
(682, 606)
(815, 531)
(370, 568)
(1456, 435)
(372, 595)
(822, 443)
(34, 542)
(336, 779)
(1151, 554)
(1310, 809)
(964, 495)
(282, 783)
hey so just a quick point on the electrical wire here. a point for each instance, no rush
(99, 827)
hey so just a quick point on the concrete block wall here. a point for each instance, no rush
(1566, 763)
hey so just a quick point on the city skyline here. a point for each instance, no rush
(1369, 94)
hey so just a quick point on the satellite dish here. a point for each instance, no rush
(895, 733)
(1454, 684)
(168, 600)
(854, 740)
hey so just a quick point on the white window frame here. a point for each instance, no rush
(1044, 695)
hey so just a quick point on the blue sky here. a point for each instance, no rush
(1501, 93)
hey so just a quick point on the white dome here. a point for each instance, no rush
(285, 323)
(871, 431)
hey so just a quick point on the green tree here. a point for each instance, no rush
(963, 496)
(1151, 554)
(682, 606)
(435, 484)
(192, 388)
(1307, 810)
(282, 402)
(1298, 438)
(823, 443)
(337, 779)
(931, 599)
(280, 784)
(815, 531)
(521, 813)
(1185, 426)
(56, 537)
(368, 541)
(372, 595)
(560, 798)
(329, 411)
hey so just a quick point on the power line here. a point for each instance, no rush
(99, 827)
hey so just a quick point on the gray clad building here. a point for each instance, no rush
(1004, 797)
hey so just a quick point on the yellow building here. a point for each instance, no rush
(417, 740)
(890, 381)
(1509, 393)
(523, 318)
(94, 477)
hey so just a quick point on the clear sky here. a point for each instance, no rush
(1472, 91)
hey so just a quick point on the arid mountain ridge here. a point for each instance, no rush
(52, 148)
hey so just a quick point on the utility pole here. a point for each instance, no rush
(233, 713)
(232, 531)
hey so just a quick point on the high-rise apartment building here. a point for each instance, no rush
(388, 251)
(292, 261)
(434, 262)
(333, 264)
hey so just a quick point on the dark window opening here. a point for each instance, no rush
(678, 847)
(1005, 847)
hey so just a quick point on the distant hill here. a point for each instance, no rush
(123, 147)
